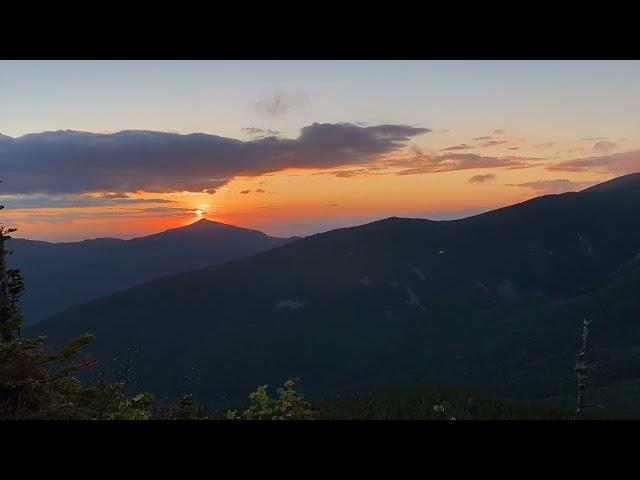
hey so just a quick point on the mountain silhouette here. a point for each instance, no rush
(60, 275)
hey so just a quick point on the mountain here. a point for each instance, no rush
(493, 302)
(59, 275)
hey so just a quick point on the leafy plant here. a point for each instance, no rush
(289, 405)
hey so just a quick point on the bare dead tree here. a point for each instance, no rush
(121, 379)
(583, 369)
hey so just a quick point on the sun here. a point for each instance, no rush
(201, 210)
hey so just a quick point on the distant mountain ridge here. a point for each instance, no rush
(60, 275)
(493, 302)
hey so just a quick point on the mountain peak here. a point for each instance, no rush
(204, 226)
(206, 223)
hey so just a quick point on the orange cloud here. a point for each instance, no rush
(617, 163)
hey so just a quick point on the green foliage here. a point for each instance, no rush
(184, 407)
(289, 405)
(138, 407)
(36, 383)
(442, 410)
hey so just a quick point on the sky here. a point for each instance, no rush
(128, 148)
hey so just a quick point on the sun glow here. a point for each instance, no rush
(201, 210)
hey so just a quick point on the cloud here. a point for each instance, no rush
(115, 195)
(458, 161)
(462, 146)
(498, 132)
(482, 178)
(617, 163)
(281, 103)
(493, 143)
(261, 132)
(355, 172)
(604, 147)
(560, 185)
(258, 190)
(487, 142)
(72, 162)
(70, 217)
(73, 201)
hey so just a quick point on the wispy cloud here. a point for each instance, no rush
(261, 132)
(459, 161)
(356, 172)
(560, 185)
(604, 147)
(616, 163)
(280, 104)
(493, 143)
(462, 146)
(37, 216)
(36, 201)
(480, 142)
(482, 178)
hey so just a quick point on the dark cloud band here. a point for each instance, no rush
(70, 162)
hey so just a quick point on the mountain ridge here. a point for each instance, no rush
(92, 268)
(396, 300)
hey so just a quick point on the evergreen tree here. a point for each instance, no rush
(38, 383)
(11, 287)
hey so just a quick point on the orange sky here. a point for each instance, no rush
(300, 201)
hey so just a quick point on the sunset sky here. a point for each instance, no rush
(129, 148)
